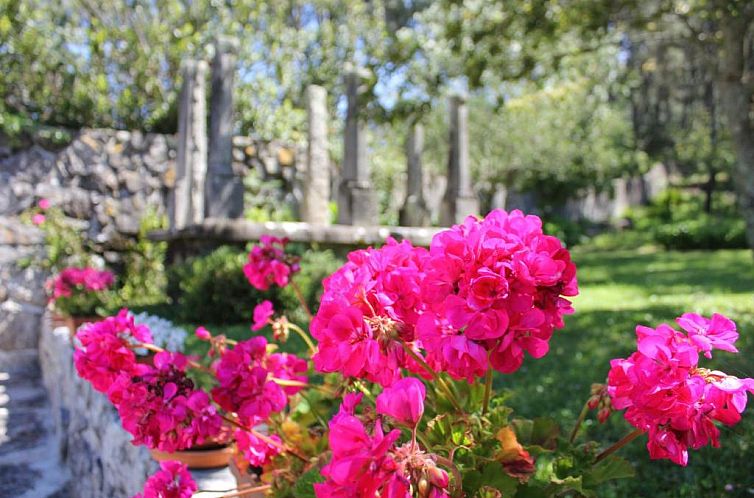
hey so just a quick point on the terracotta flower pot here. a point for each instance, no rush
(75, 322)
(58, 320)
(206, 456)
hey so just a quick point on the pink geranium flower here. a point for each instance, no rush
(269, 264)
(245, 376)
(718, 332)
(202, 334)
(74, 279)
(44, 204)
(103, 350)
(262, 314)
(404, 401)
(369, 463)
(38, 219)
(666, 394)
(173, 480)
(494, 290)
(368, 311)
(360, 464)
(257, 452)
(162, 409)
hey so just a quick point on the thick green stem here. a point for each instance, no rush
(487, 390)
(618, 445)
(303, 335)
(435, 376)
(579, 421)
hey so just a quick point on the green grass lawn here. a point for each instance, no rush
(618, 291)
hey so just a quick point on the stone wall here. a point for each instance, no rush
(109, 178)
(93, 445)
(22, 296)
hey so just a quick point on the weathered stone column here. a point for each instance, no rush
(357, 202)
(224, 188)
(315, 207)
(459, 200)
(414, 211)
(187, 200)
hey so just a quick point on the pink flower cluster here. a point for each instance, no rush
(269, 264)
(157, 404)
(103, 349)
(81, 280)
(39, 218)
(262, 314)
(486, 292)
(256, 451)
(372, 465)
(173, 480)
(369, 307)
(162, 409)
(246, 376)
(667, 394)
(493, 290)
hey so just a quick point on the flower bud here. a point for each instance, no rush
(438, 477)
(423, 487)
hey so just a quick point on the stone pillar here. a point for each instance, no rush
(357, 202)
(315, 207)
(187, 199)
(459, 200)
(224, 188)
(414, 212)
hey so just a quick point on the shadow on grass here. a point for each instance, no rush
(715, 272)
(558, 385)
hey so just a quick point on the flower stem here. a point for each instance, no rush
(487, 390)
(264, 438)
(457, 479)
(298, 383)
(303, 335)
(301, 299)
(619, 444)
(247, 491)
(579, 421)
(435, 376)
(158, 349)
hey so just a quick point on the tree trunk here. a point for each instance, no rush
(736, 99)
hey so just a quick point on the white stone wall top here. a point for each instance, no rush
(230, 230)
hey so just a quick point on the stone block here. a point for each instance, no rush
(19, 325)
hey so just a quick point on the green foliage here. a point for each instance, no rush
(618, 290)
(568, 231)
(304, 487)
(263, 200)
(677, 220)
(65, 241)
(143, 280)
(83, 303)
(555, 141)
(213, 289)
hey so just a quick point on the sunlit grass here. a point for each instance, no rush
(618, 291)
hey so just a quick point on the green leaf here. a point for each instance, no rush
(542, 432)
(304, 487)
(612, 467)
(495, 477)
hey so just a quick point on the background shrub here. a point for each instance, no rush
(213, 289)
(676, 219)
